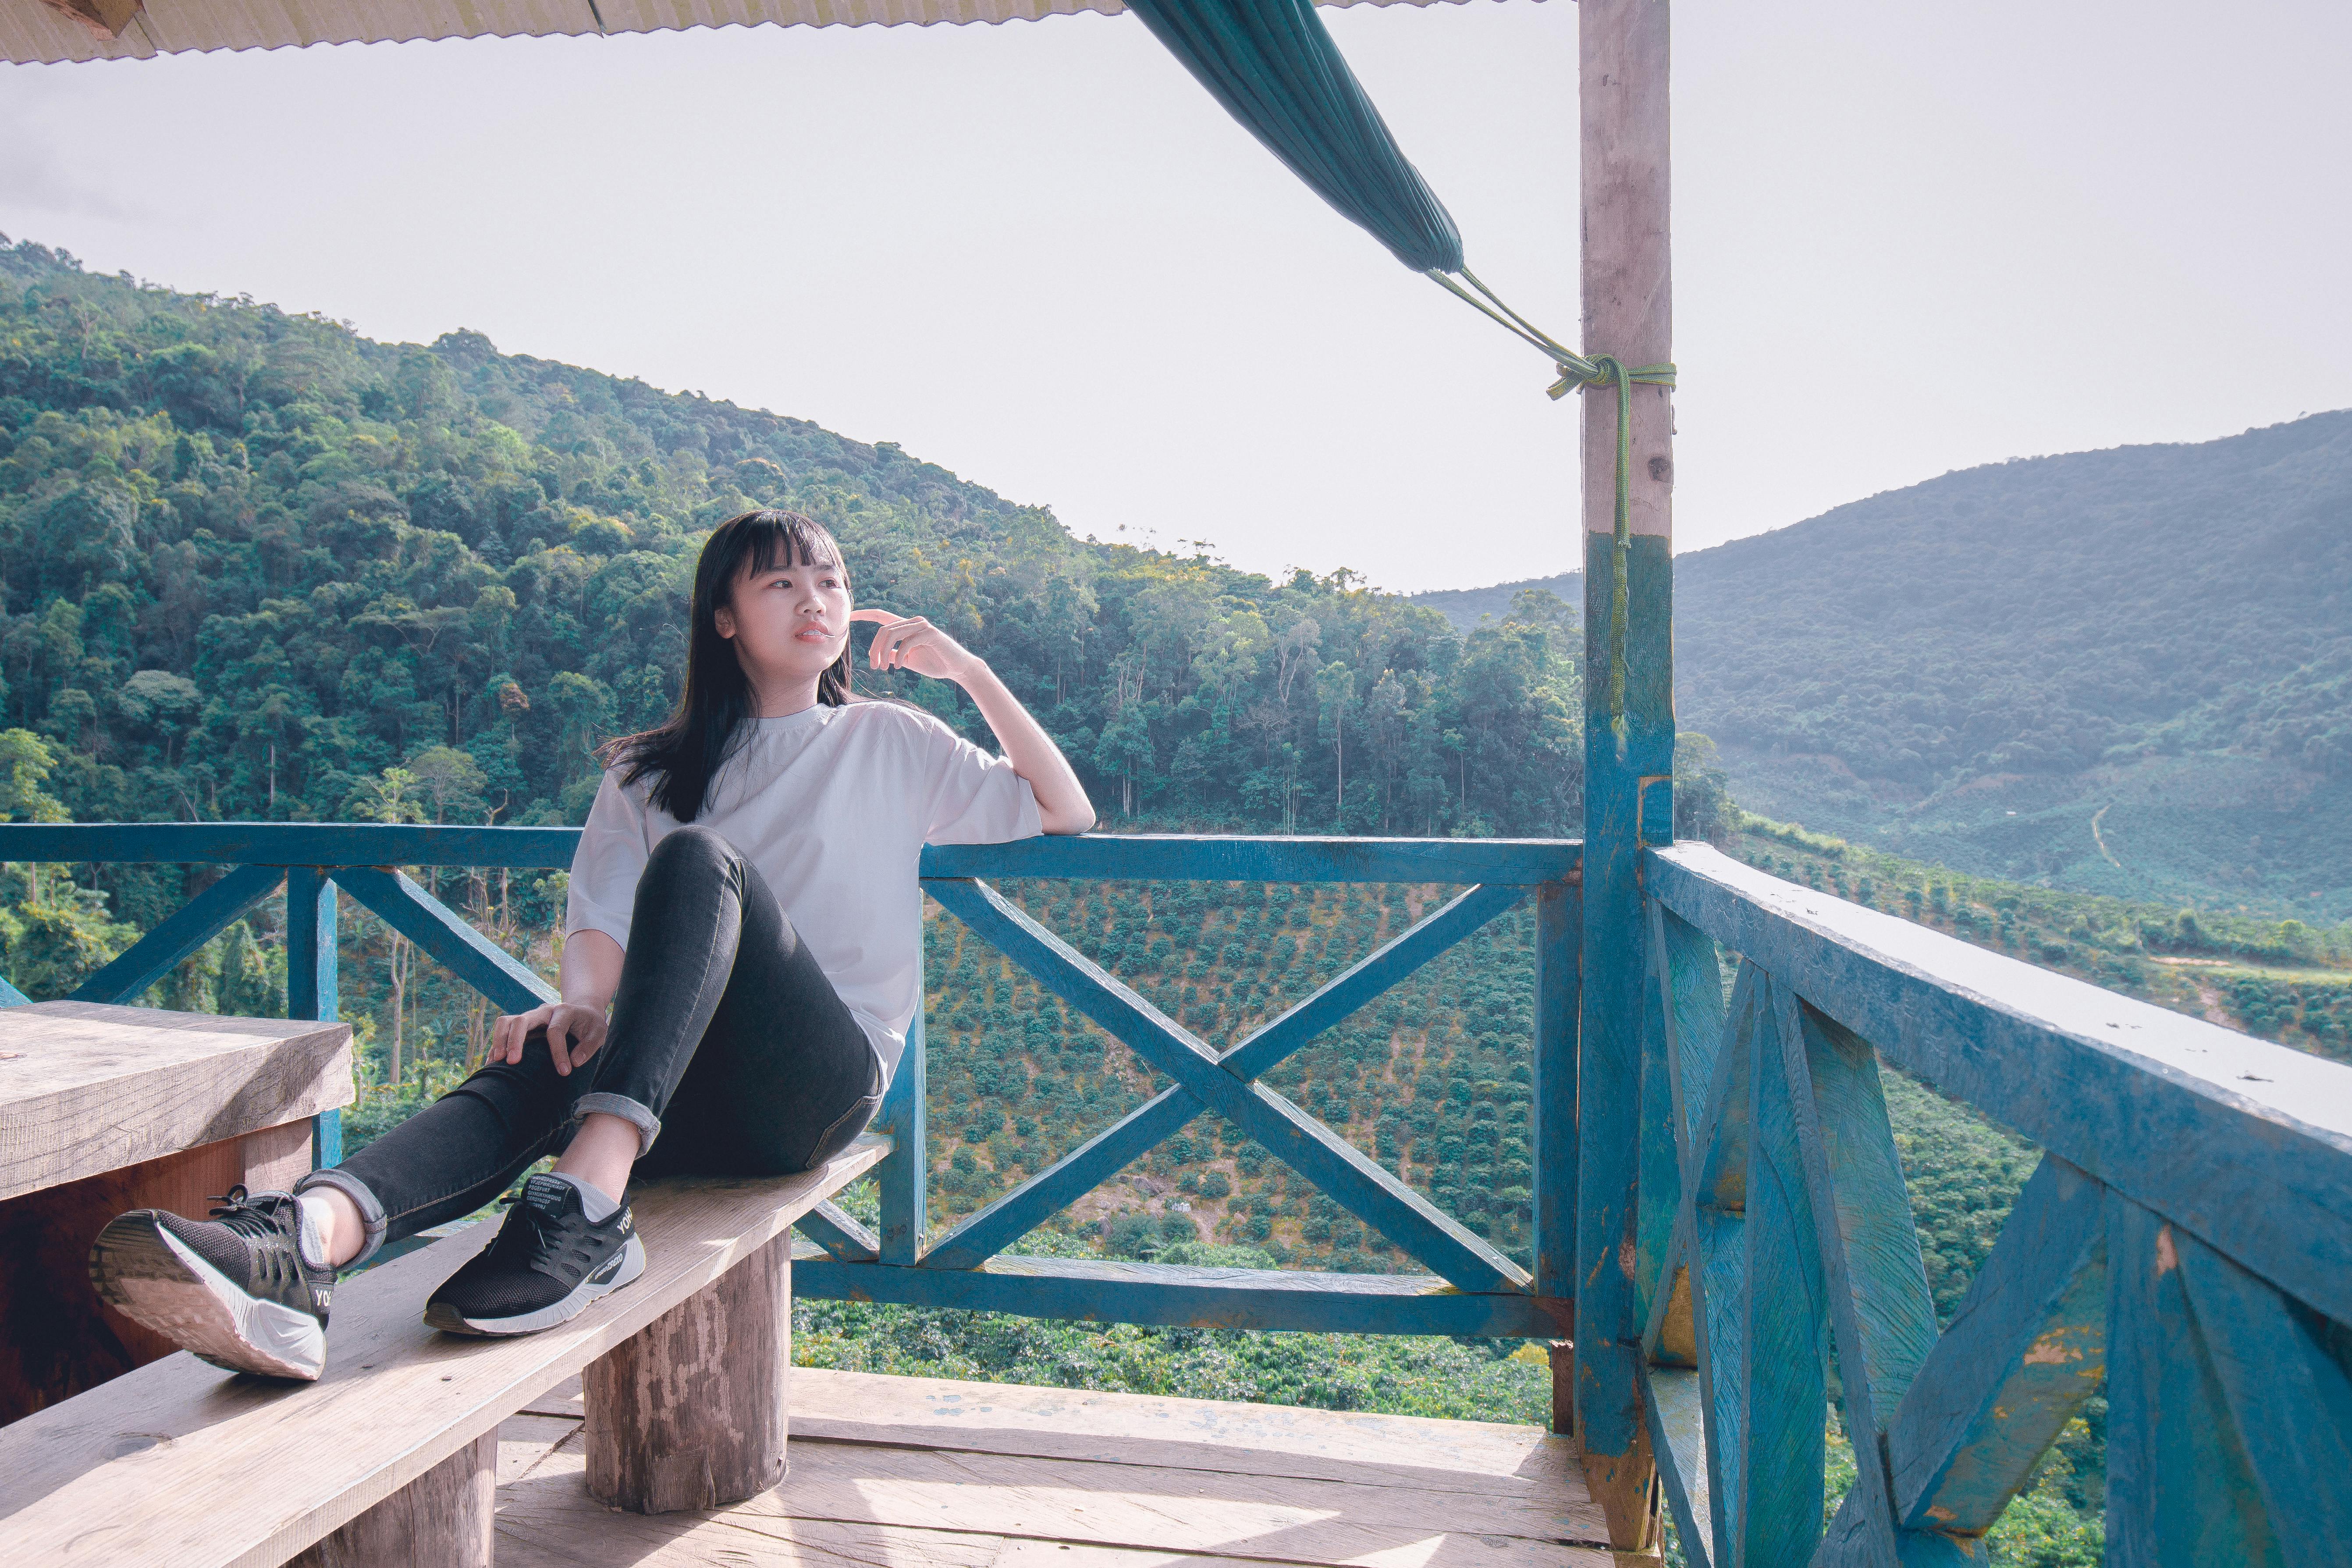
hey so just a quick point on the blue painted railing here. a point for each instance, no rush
(1470, 1288)
(2186, 1245)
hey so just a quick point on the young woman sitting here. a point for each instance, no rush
(744, 900)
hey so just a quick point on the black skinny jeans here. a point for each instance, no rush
(725, 1037)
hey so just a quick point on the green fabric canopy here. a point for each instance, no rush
(1274, 67)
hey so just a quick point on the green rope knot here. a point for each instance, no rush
(1605, 370)
(1581, 372)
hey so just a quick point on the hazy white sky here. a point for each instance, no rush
(1909, 238)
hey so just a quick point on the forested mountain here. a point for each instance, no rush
(252, 561)
(2127, 672)
(1468, 608)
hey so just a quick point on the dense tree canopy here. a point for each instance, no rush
(252, 561)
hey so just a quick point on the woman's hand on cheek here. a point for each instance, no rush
(910, 642)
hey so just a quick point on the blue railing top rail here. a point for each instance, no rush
(2246, 1143)
(1104, 856)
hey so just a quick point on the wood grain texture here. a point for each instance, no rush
(1882, 1315)
(2026, 1348)
(397, 1399)
(1677, 1412)
(445, 1517)
(1268, 1440)
(917, 1472)
(1689, 971)
(1186, 1512)
(1784, 1326)
(2284, 1373)
(1625, 278)
(1658, 1189)
(311, 987)
(526, 1441)
(2245, 1143)
(87, 1087)
(2181, 1488)
(274, 1159)
(1224, 1513)
(549, 1521)
(689, 1412)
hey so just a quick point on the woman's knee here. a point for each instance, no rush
(694, 850)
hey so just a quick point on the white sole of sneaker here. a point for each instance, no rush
(151, 1276)
(625, 1267)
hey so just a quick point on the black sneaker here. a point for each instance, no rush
(233, 1288)
(549, 1260)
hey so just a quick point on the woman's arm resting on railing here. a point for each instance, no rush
(913, 643)
(575, 1026)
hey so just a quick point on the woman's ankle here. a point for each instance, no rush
(333, 1232)
(601, 1154)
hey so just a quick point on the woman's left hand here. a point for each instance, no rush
(910, 642)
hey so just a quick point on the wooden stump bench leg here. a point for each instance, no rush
(689, 1412)
(447, 1515)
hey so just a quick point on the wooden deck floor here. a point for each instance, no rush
(899, 1472)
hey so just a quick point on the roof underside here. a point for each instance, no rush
(50, 31)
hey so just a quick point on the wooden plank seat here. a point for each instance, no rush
(392, 1455)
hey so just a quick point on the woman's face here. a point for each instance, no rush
(789, 622)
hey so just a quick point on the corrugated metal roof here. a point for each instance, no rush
(50, 31)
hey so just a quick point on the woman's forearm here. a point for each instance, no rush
(1062, 803)
(591, 971)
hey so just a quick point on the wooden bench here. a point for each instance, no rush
(390, 1456)
(105, 1109)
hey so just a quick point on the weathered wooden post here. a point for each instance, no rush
(690, 1412)
(447, 1517)
(1629, 730)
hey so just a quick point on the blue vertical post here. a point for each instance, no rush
(903, 1176)
(1560, 962)
(1629, 730)
(310, 982)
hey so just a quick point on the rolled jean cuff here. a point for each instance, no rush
(371, 1210)
(648, 1124)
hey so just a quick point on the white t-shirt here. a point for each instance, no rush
(833, 805)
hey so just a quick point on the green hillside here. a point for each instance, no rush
(2121, 671)
(1466, 608)
(2125, 673)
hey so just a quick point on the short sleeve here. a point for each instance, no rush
(608, 864)
(974, 797)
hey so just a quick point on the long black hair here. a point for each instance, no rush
(683, 752)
